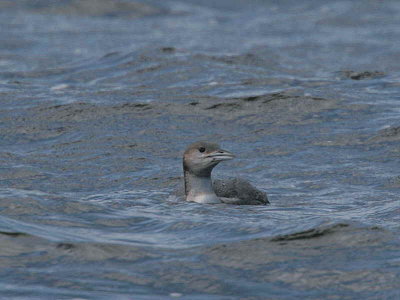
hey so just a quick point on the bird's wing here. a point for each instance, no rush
(240, 189)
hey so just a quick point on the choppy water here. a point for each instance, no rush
(99, 99)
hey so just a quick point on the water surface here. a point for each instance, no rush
(99, 100)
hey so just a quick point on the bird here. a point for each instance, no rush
(199, 159)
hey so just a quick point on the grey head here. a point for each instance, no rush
(201, 157)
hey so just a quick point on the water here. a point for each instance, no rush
(99, 100)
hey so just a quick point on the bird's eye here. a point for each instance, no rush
(202, 149)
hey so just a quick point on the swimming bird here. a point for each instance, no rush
(199, 160)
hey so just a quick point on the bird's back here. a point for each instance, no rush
(239, 191)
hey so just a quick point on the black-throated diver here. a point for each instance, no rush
(199, 160)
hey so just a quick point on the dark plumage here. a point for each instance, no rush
(239, 188)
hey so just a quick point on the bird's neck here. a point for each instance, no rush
(199, 188)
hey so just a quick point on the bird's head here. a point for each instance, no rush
(201, 157)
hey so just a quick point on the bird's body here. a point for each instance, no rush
(199, 160)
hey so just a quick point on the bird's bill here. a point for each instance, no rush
(221, 155)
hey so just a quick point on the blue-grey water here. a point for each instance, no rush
(99, 99)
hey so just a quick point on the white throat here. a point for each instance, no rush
(200, 189)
